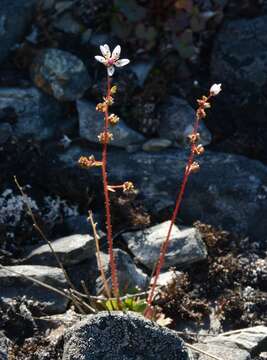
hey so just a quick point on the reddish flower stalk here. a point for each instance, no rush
(114, 278)
(191, 166)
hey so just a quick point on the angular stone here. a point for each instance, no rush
(60, 74)
(129, 275)
(5, 132)
(15, 18)
(142, 70)
(241, 62)
(185, 246)
(229, 191)
(70, 250)
(241, 344)
(177, 120)
(91, 125)
(117, 336)
(14, 285)
(35, 113)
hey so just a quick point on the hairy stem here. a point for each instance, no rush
(114, 279)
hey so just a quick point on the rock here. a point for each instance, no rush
(15, 19)
(91, 125)
(185, 247)
(56, 324)
(129, 275)
(13, 285)
(142, 70)
(156, 144)
(120, 336)
(229, 191)
(5, 132)
(34, 112)
(240, 344)
(60, 74)
(166, 278)
(77, 225)
(5, 344)
(68, 24)
(177, 120)
(241, 63)
(70, 250)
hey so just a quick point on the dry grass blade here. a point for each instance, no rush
(41, 283)
(36, 226)
(99, 260)
(202, 352)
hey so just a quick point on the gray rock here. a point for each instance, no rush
(185, 247)
(5, 344)
(229, 191)
(91, 125)
(15, 18)
(177, 120)
(142, 70)
(70, 250)
(68, 24)
(241, 62)
(156, 144)
(60, 74)
(36, 113)
(240, 344)
(5, 132)
(120, 336)
(14, 285)
(129, 275)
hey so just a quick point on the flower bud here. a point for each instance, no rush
(215, 89)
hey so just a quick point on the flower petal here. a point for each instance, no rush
(116, 52)
(122, 62)
(111, 70)
(100, 59)
(216, 89)
(105, 51)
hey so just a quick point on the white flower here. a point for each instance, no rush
(215, 89)
(109, 60)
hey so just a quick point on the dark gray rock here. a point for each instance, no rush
(60, 74)
(14, 285)
(91, 125)
(77, 224)
(5, 344)
(70, 250)
(36, 113)
(129, 275)
(177, 121)
(239, 60)
(5, 132)
(230, 191)
(119, 336)
(142, 70)
(15, 19)
(68, 24)
(185, 247)
(241, 344)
